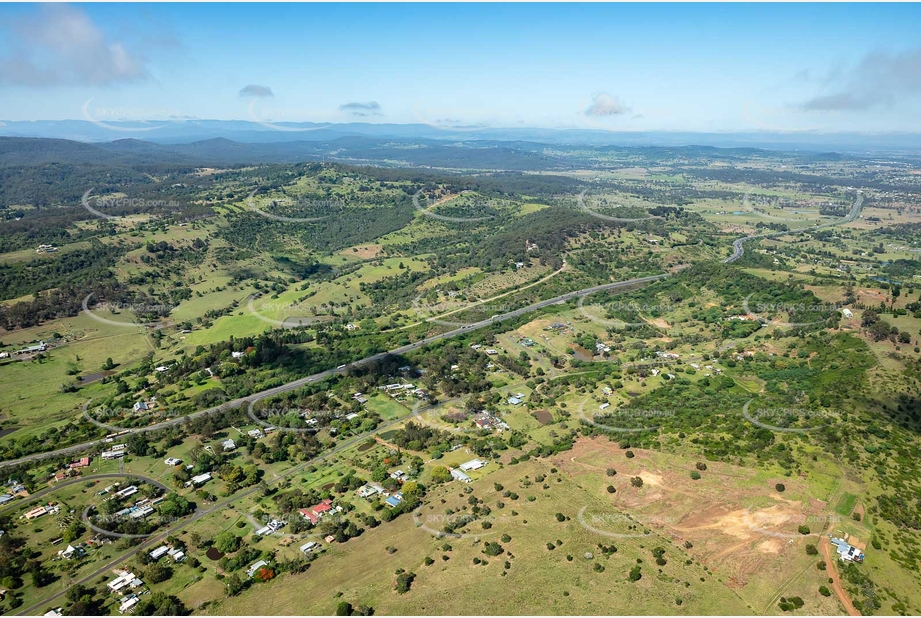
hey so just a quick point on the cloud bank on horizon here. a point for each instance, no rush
(674, 75)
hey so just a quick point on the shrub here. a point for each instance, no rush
(636, 481)
(635, 574)
(824, 591)
(560, 517)
(701, 466)
(611, 472)
(811, 550)
(404, 582)
(611, 489)
(695, 475)
(804, 529)
(780, 487)
(629, 454)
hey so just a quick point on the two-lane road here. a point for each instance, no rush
(295, 384)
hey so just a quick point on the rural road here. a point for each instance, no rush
(199, 513)
(832, 561)
(82, 479)
(296, 384)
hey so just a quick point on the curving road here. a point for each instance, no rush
(81, 479)
(158, 538)
(737, 251)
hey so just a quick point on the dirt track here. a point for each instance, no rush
(832, 562)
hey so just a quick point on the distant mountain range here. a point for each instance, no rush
(246, 132)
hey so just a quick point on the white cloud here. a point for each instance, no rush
(252, 90)
(880, 80)
(603, 104)
(61, 46)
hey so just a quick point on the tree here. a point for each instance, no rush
(404, 582)
(635, 574)
(611, 472)
(803, 529)
(158, 572)
(811, 550)
(441, 474)
(227, 542)
(344, 608)
(780, 487)
(636, 481)
(161, 604)
(695, 475)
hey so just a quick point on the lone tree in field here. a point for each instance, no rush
(636, 481)
(780, 487)
(611, 472)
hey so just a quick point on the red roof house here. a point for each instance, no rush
(314, 513)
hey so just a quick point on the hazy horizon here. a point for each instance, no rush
(820, 68)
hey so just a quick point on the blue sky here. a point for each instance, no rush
(724, 67)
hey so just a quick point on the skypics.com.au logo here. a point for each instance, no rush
(96, 205)
(315, 209)
(140, 310)
(623, 420)
(468, 210)
(757, 310)
(635, 314)
(790, 420)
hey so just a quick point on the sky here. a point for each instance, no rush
(620, 67)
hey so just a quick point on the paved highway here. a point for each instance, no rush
(226, 503)
(296, 384)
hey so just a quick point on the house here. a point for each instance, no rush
(307, 548)
(514, 401)
(4, 498)
(32, 349)
(399, 475)
(128, 603)
(255, 434)
(36, 512)
(229, 445)
(460, 476)
(236, 354)
(394, 500)
(142, 512)
(72, 552)
(115, 451)
(80, 463)
(159, 552)
(254, 568)
(54, 612)
(314, 513)
(491, 352)
(604, 406)
(141, 406)
(371, 489)
(176, 554)
(846, 551)
(473, 464)
(161, 369)
(130, 490)
(201, 479)
(351, 417)
(847, 313)
(172, 461)
(126, 579)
